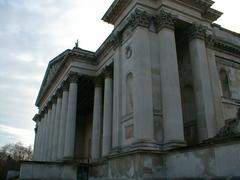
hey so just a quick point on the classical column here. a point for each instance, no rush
(71, 117)
(42, 135)
(97, 120)
(39, 139)
(36, 142)
(43, 146)
(63, 121)
(48, 131)
(202, 86)
(52, 124)
(57, 124)
(170, 85)
(107, 112)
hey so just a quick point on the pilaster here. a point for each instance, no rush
(170, 85)
(202, 86)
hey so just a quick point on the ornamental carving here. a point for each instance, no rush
(128, 52)
(197, 31)
(139, 18)
(165, 19)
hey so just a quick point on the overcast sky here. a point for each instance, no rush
(32, 32)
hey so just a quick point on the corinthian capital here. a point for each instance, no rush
(73, 77)
(165, 20)
(197, 31)
(139, 18)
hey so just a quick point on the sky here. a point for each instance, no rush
(32, 32)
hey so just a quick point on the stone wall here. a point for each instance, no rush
(203, 161)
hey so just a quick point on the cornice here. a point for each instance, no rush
(204, 6)
(115, 10)
(221, 45)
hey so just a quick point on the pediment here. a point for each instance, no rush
(55, 65)
(52, 69)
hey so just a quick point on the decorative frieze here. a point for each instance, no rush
(139, 18)
(164, 20)
(197, 31)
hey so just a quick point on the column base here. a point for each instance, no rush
(173, 144)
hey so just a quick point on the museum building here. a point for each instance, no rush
(158, 99)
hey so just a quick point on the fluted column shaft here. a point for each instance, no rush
(57, 125)
(71, 118)
(97, 121)
(63, 121)
(107, 113)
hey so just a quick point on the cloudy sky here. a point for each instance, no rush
(32, 32)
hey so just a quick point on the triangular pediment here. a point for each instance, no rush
(52, 69)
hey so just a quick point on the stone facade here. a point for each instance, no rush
(152, 102)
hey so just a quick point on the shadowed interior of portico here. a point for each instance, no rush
(84, 119)
(186, 83)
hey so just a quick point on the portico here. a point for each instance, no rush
(150, 91)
